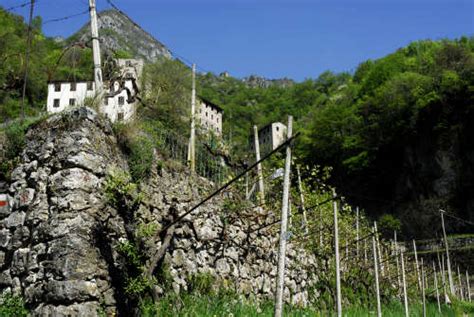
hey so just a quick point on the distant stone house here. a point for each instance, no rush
(209, 116)
(269, 137)
(118, 99)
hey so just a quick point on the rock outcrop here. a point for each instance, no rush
(59, 239)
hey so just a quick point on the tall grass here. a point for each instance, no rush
(235, 306)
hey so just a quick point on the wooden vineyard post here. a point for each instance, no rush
(259, 166)
(378, 249)
(303, 208)
(445, 288)
(448, 262)
(423, 288)
(280, 285)
(320, 227)
(405, 296)
(416, 265)
(436, 287)
(468, 283)
(376, 272)
(336, 252)
(461, 291)
(395, 244)
(357, 233)
(365, 252)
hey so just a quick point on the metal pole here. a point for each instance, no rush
(423, 288)
(336, 251)
(376, 272)
(96, 50)
(27, 59)
(303, 208)
(448, 262)
(283, 225)
(416, 265)
(405, 297)
(192, 138)
(436, 287)
(259, 166)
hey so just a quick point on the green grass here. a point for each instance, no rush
(231, 305)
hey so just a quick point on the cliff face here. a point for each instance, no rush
(59, 241)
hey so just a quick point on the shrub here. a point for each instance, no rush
(11, 305)
(138, 146)
(120, 190)
(201, 283)
(15, 142)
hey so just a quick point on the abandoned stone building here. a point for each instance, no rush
(269, 137)
(118, 100)
(119, 95)
(130, 67)
(209, 116)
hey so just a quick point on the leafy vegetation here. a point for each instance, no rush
(14, 141)
(11, 305)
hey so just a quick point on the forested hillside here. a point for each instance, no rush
(396, 131)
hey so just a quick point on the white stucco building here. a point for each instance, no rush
(209, 116)
(269, 137)
(118, 98)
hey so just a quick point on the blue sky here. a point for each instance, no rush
(278, 38)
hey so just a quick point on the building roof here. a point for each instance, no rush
(207, 102)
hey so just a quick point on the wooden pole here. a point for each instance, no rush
(395, 244)
(357, 232)
(468, 283)
(303, 208)
(365, 252)
(443, 276)
(405, 297)
(448, 262)
(280, 285)
(417, 265)
(96, 50)
(436, 288)
(376, 272)
(320, 226)
(336, 252)
(27, 59)
(259, 166)
(461, 291)
(247, 186)
(423, 287)
(378, 249)
(192, 138)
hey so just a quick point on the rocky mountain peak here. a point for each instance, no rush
(118, 32)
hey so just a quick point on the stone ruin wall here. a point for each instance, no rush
(58, 241)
